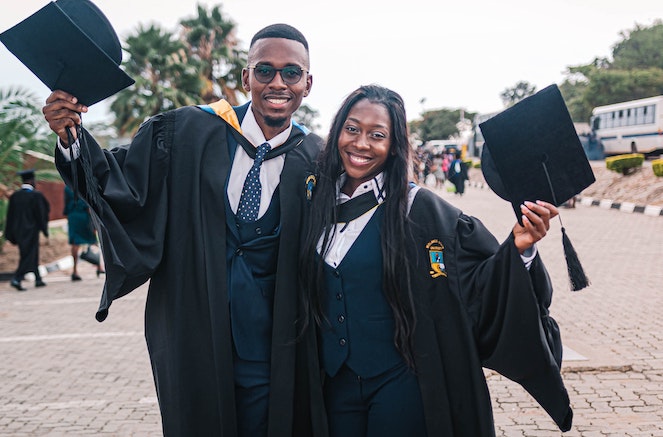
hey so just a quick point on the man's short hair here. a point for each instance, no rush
(280, 30)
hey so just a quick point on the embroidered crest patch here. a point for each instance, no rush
(436, 257)
(310, 185)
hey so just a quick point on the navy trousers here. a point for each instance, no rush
(251, 397)
(388, 405)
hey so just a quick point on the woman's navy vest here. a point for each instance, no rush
(360, 332)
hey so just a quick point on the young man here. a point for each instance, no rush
(27, 216)
(222, 303)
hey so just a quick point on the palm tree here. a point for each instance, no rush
(210, 39)
(22, 129)
(166, 78)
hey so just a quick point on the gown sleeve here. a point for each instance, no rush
(127, 190)
(509, 307)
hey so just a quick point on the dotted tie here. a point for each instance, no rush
(249, 201)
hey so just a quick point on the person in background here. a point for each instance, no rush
(27, 216)
(80, 229)
(458, 173)
(409, 298)
(206, 203)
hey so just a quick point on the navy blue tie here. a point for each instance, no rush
(249, 201)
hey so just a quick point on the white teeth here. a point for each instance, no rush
(278, 101)
(358, 159)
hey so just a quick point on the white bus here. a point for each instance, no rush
(630, 127)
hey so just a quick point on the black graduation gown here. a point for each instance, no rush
(481, 308)
(27, 215)
(489, 311)
(163, 218)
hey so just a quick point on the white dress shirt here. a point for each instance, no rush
(270, 170)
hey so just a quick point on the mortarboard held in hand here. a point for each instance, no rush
(70, 45)
(532, 152)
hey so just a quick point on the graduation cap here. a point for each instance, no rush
(532, 152)
(70, 45)
(27, 175)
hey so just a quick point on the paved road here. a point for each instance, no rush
(62, 373)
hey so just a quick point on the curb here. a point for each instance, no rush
(627, 207)
(622, 206)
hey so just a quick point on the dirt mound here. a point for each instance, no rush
(642, 187)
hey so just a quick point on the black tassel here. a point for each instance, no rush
(576, 273)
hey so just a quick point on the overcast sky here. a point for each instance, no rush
(453, 54)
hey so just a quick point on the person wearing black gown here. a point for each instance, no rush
(408, 298)
(27, 216)
(221, 311)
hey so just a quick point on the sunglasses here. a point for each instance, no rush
(291, 74)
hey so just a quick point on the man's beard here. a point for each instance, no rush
(276, 122)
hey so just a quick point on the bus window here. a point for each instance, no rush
(620, 126)
(649, 113)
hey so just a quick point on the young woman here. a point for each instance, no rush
(409, 297)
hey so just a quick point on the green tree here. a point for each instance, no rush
(438, 124)
(513, 95)
(636, 71)
(22, 129)
(639, 49)
(612, 86)
(165, 78)
(573, 92)
(307, 116)
(210, 41)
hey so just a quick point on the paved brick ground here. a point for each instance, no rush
(63, 373)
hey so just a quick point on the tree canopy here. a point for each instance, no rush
(439, 124)
(199, 64)
(635, 72)
(513, 95)
(165, 79)
(22, 129)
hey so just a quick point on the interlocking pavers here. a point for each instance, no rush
(63, 373)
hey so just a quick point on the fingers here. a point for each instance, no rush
(62, 111)
(536, 222)
(539, 214)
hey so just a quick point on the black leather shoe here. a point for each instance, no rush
(17, 285)
(40, 283)
(75, 277)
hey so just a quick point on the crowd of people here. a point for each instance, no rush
(307, 288)
(435, 169)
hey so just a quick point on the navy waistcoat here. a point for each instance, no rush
(252, 252)
(360, 332)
